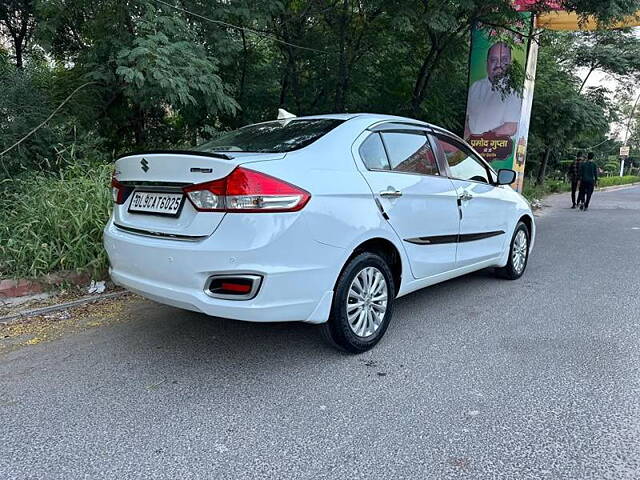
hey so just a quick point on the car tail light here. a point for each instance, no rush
(247, 191)
(119, 192)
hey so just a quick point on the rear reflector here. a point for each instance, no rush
(233, 287)
(246, 190)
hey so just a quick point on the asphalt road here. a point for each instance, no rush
(476, 378)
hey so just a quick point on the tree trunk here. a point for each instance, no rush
(341, 84)
(139, 133)
(421, 82)
(18, 50)
(20, 31)
(284, 86)
(243, 78)
(424, 78)
(341, 94)
(584, 82)
(543, 166)
(290, 84)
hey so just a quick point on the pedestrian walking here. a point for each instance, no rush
(574, 177)
(588, 180)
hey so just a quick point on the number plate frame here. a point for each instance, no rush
(161, 214)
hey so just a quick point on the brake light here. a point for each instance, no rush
(247, 191)
(119, 192)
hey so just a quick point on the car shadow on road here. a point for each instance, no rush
(196, 338)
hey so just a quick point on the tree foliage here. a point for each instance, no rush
(170, 73)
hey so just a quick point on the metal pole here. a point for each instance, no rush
(626, 135)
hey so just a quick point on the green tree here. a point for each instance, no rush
(154, 71)
(17, 23)
(27, 97)
(171, 72)
(614, 52)
(560, 113)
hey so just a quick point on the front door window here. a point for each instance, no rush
(463, 164)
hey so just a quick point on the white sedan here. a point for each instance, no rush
(325, 219)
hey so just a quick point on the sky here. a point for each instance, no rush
(598, 78)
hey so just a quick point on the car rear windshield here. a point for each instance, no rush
(271, 137)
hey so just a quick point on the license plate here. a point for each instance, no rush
(157, 203)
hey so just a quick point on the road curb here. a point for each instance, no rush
(602, 189)
(617, 187)
(8, 319)
(22, 287)
(545, 207)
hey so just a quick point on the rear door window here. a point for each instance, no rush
(373, 154)
(410, 153)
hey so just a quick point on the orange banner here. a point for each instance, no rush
(571, 21)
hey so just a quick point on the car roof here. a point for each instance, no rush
(374, 118)
(377, 117)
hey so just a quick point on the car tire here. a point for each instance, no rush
(362, 304)
(518, 254)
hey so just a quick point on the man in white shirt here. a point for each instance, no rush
(491, 110)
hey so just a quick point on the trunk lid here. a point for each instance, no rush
(169, 172)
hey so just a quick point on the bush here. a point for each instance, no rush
(612, 181)
(54, 222)
(533, 191)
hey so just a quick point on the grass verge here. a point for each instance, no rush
(54, 222)
(537, 192)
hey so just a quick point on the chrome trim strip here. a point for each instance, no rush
(437, 240)
(156, 186)
(463, 238)
(167, 236)
(398, 126)
(472, 237)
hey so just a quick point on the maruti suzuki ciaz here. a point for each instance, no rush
(322, 219)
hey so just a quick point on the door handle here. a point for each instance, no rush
(391, 192)
(466, 196)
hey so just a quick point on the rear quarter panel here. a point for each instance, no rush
(342, 211)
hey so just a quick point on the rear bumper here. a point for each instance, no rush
(298, 272)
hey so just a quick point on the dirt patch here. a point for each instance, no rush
(69, 294)
(43, 328)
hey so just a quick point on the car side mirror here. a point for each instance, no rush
(506, 176)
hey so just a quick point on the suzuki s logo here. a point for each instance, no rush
(145, 165)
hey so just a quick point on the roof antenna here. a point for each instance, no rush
(283, 114)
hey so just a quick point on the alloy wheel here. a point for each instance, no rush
(367, 302)
(519, 251)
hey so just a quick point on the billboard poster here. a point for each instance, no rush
(498, 114)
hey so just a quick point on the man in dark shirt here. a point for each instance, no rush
(574, 177)
(588, 181)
